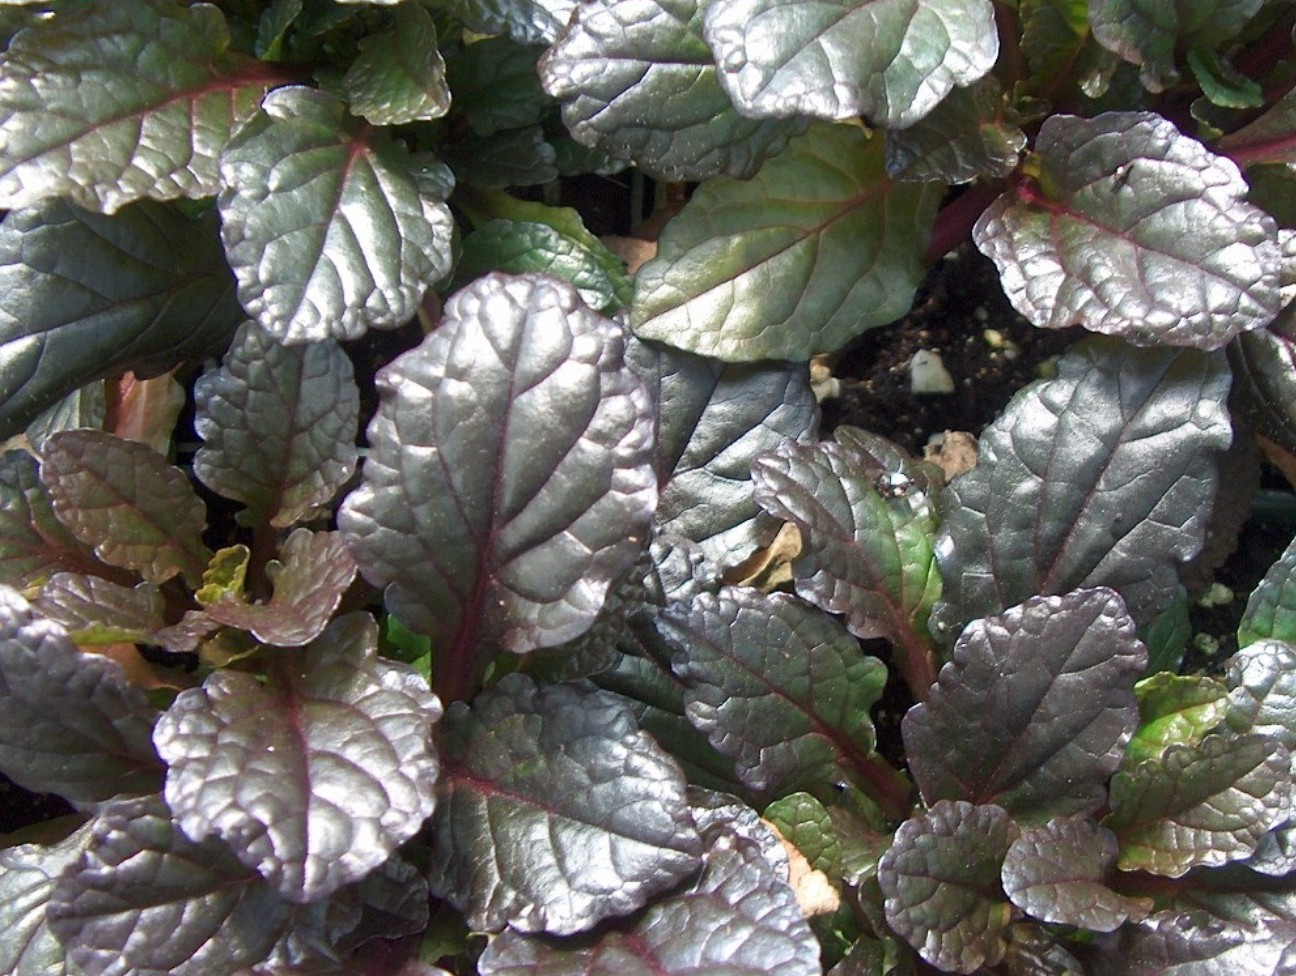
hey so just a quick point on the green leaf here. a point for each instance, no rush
(523, 21)
(273, 26)
(554, 810)
(965, 137)
(1100, 238)
(496, 85)
(325, 223)
(817, 248)
(99, 611)
(28, 873)
(1053, 34)
(941, 881)
(106, 102)
(1200, 805)
(399, 76)
(637, 81)
(888, 60)
(1175, 709)
(84, 296)
(1223, 84)
(1269, 139)
(1271, 609)
(125, 500)
(278, 425)
(806, 824)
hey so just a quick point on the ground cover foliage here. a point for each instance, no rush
(490, 686)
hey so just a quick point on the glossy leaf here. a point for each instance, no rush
(1264, 367)
(314, 777)
(1200, 805)
(1099, 237)
(806, 824)
(638, 81)
(509, 482)
(310, 577)
(818, 247)
(778, 686)
(125, 500)
(1271, 138)
(278, 425)
(399, 75)
(98, 611)
(105, 103)
(735, 919)
(889, 61)
(713, 421)
(70, 723)
(514, 157)
(1175, 708)
(1060, 672)
(1102, 476)
(1263, 700)
(1148, 34)
(941, 881)
(211, 917)
(84, 296)
(524, 21)
(963, 138)
(496, 85)
(867, 531)
(28, 874)
(1055, 872)
(34, 544)
(1197, 942)
(1054, 33)
(325, 222)
(554, 810)
(1271, 608)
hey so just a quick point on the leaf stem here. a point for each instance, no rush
(955, 220)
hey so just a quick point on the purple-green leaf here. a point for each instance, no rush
(326, 222)
(107, 102)
(889, 60)
(1263, 678)
(312, 574)
(637, 81)
(554, 810)
(1175, 708)
(28, 874)
(818, 247)
(941, 881)
(1034, 709)
(85, 296)
(1269, 139)
(1200, 805)
(70, 722)
(1103, 476)
(780, 687)
(1056, 872)
(525, 21)
(399, 76)
(965, 137)
(123, 499)
(1100, 236)
(278, 425)
(314, 777)
(1271, 608)
(94, 610)
(34, 544)
(145, 900)
(510, 477)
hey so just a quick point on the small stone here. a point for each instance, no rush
(927, 374)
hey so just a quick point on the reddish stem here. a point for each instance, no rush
(955, 220)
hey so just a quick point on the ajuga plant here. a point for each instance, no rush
(488, 686)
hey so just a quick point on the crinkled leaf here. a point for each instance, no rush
(1200, 805)
(393, 902)
(496, 85)
(86, 406)
(509, 482)
(145, 900)
(777, 685)
(1053, 34)
(1264, 367)
(736, 919)
(1100, 236)
(724, 822)
(28, 874)
(34, 544)
(512, 157)
(1269, 139)
(98, 611)
(889, 60)
(278, 425)
(1060, 673)
(524, 21)
(1175, 708)
(818, 247)
(1193, 941)
(70, 722)
(965, 137)
(84, 296)
(941, 881)
(1102, 476)
(1271, 608)
(713, 421)
(554, 810)
(314, 777)
(325, 223)
(806, 824)
(105, 103)
(637, 80)
(125, 500)
(1148, 32)
(399, 76)
(1263, 678)
(1055, 872)
(225, 575)
(314, 572)
(867, 533)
